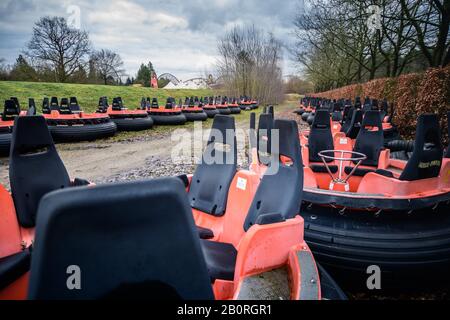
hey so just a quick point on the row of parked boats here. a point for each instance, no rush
(222, 233)
(362, 206)
(68, 123)
(334, 207)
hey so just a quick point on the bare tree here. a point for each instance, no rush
(250, 64)
(62, 47)
(108, 65)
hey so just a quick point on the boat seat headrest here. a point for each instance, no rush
(35, 167)
(151, 252)
(278, 204)
(426, 159)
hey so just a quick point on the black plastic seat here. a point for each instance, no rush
(320, 137)
(154, 103)
(426, 159)
(208, 191)
(54, 104)
(10, 111)
(270, 204)
(102, 105)
(14, 266)
(73, 105)
(369, 142)
(35, 167)
(346, 118)
(149, 250)
(355, 124)
(220, 259)
(116, 105)
(64, 106)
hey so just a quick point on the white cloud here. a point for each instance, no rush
(178, 36)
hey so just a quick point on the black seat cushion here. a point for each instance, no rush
(14, 266)
(320, 137)
(360, 172)
(318, 168)
(370, 142)
(220, 259)
(270, 198)
(385, 173)
(205, 233)
(147, 250)
(426, 159)
(211, 181)
(35, 167)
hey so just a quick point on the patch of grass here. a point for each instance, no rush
(88, 94)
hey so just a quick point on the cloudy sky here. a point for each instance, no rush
(178, 36)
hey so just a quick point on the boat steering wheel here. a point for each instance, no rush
(331, 155)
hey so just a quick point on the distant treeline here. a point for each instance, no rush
(58, 52)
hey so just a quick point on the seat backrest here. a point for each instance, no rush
(426, 159)
(150, 250)
(169, 103)
(35, 167)
(346, 118)
(64, 107)
(10, 110)
(46, 106)
(279, 195)
(155, 103)
(54, 104)
(264, 134)
(102, 105)
(116, 105)
(212, 178)
(320, 137)
(16, 102)
(447, 154)
(370, 139)
(355, 124)
(73, 104)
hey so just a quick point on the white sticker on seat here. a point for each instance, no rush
(241, 183)
(343, 140)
